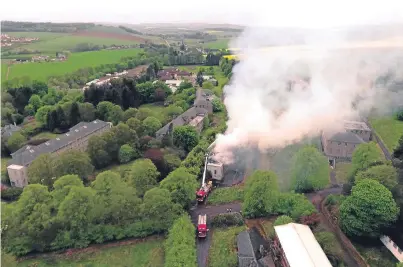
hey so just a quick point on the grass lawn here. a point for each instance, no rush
(42, 70)
(342, 171)
(223, 247)
(377, 256)
(225, 195)
(45, 135)
(218, 44)
(121, 168)
(389, 130)
(268, 227)
(157, 111)
(145, 254)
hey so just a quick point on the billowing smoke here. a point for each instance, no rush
(279, 96)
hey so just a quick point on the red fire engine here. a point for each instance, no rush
(202, 226)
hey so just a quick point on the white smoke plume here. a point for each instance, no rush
(264, 113)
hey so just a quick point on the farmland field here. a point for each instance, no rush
(41, 35)
(69, 42)
(41, 71)
(218, 44)
(149, 253)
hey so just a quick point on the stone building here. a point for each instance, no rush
(75, 139)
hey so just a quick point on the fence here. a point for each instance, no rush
(343, 238)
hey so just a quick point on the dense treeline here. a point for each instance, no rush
(17, 26)
(130, 30)
(72, 215)
(180, 246)
(127, 93)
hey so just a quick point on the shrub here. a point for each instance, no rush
(126, 154)
(11, 194)
(227, 219)
(330, 246)
(310, 220)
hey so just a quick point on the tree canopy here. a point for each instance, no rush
(364, 155)
(261, 192)
(142, 176)
(310, 170)
(185, 137)
(368, 210)
(385, 174)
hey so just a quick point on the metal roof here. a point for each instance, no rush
(27, 154)
(346, 137)
(300, 246)
(248, 243)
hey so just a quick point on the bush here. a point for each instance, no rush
(227, 219)
(330, 246)
(284, 219)
(126, 154)
(332, 200)
(399, 115)
(226, 195)
(11, 194)
(294, 205)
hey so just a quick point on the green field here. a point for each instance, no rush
(146, 254)
(69, 42)
(389, 130)
(45, 135)
(157, 111)
(218, 44)
(225, 195)
(41, 35)
(41, 71)
(223, 247)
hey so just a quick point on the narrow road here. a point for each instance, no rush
(203, 245)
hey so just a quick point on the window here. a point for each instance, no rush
(215, 172)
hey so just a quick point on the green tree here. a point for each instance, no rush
(42, 114)
(368, 210)
(115, 114)
(116, 201)
(142, 175)
(217, 105)
(159, 210)
(143, 113)
(185, 137)
(284, 219)
(74, 114)
(310, 170)
(87, 111)
(73, 162)
(126, 154)
(27, 221)
(62, 187)
(103, 110)
(16, 141)
(173, 111)
(207, 85)
(28, 110)
(261, 193)
(35, 101)
(182, 186)
(97, 152)
(172, 161)
(129, 113)
(294, 205)
(363, 156)
(40, 171)
(151, 125)
(180, 246)
(135, 125)
(385, 174)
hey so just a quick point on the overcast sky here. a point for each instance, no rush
(279, 13)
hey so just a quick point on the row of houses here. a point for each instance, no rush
(7, 40)
(194, 116)
(76, 139)
(173, 77)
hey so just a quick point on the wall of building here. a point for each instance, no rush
(339, 149)
(18, 177)
(216, 170)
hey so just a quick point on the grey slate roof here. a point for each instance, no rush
(346, 137)
(249, 243)
(27, 154)
(9, 129)
(183, 119)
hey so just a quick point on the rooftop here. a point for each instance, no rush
(300, 246)
(27, 154)
(196, 121)
(345, 137)
(356, 125)
(250, 244)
